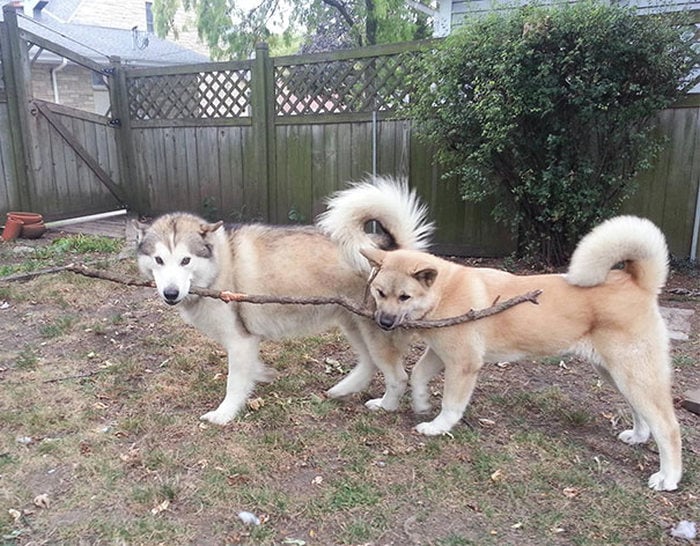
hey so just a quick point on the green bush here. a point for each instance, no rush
(551, 111)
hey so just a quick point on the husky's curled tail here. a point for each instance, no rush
(388, 201)
(635, 241)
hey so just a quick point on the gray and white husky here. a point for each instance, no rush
(181, 250)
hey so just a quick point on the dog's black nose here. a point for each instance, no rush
(387, 322)
(171, 295)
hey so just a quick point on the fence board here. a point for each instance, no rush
(230, 173)
(324, 164)
(256, 190)
(9, 197)
(667, 191)
(684, 126)
(294, 174)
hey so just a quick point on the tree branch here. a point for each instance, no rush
(342, 9)
(228, 297)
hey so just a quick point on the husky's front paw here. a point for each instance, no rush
(377, 404)
(431, 429)
(218, 417)
(659, 482)
(633, 437)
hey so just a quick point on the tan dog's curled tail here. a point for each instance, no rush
(387, 200)
(635, 241)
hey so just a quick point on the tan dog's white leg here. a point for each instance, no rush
(460, 379)
(427, 367)
(645, 382)
(390, 363)
(386, 351)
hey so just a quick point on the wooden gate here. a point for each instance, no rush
(66, 161)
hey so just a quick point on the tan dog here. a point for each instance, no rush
(611, 317)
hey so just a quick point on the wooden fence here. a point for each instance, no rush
(267, 139)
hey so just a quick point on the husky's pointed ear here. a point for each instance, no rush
(140, 229)
(426, 276)
(375, 256)
(210, 228)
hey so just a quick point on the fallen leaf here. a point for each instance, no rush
(254, 404)
(132, 457)
(42, 501)
(162, 507)
(571, 492)
(85, 448)
(497, 476)
(235, 479)
(16, 514)
(318, 480)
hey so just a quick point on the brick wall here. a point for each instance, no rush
(74, 86)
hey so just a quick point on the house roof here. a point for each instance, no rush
(98, 43)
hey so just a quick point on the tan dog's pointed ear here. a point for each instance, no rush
(375, 256)
(426, 276)
(210, 228)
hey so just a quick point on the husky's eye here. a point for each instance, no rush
(185, 260)
(159, 260)
(404, 297)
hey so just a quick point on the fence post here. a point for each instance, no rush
(263, 110)
(121, 121)
(18, 86)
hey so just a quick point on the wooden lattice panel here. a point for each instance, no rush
(214, 94)
(341, 86)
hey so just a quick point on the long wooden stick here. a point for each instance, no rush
(229, 297)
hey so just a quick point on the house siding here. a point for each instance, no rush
(462, 8)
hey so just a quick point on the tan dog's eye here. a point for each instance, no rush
(381, 293)
(404, 297)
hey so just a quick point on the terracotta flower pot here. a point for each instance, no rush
(26, 218)
(33, 231)
(12, 229)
